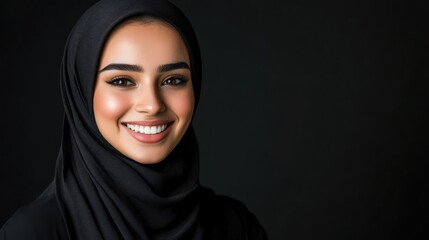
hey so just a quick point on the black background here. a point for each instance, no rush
(313, 113)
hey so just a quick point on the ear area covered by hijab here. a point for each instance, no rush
(102, 194)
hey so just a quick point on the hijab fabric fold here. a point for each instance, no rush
(101, 193)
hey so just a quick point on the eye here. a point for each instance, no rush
(121, 82)
(174, 81)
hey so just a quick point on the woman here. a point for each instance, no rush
(128, 165)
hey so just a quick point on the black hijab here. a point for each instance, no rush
(103, 194)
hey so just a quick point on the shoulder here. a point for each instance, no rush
(231, 217)
(40, 219)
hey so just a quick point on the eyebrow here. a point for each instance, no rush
(137, 68)
(173, 66)
(122, 67)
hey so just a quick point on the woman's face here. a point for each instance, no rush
(143, 98)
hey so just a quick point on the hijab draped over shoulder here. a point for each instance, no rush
(103, 194)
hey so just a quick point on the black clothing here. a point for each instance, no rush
(102, 194)
(42, 219)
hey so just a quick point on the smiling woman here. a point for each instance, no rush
(128, 166)
(143, 99)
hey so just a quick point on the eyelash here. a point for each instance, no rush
(124, 82)
(168, 81)
(116, 82)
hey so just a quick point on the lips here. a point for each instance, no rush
(148, 131)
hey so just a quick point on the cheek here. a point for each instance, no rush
(109, 106)
(182, 104)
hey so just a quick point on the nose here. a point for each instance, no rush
(149, 101)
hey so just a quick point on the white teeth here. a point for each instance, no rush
(153, 130)
(147, 129)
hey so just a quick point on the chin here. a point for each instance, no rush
(148, 158)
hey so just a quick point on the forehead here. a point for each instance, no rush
(154, 40)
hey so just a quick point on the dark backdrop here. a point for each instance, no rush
(313, 113)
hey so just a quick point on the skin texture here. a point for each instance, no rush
(124, 96)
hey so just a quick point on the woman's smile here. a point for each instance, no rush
(148, 127)
(148, 131)
(143, 98)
